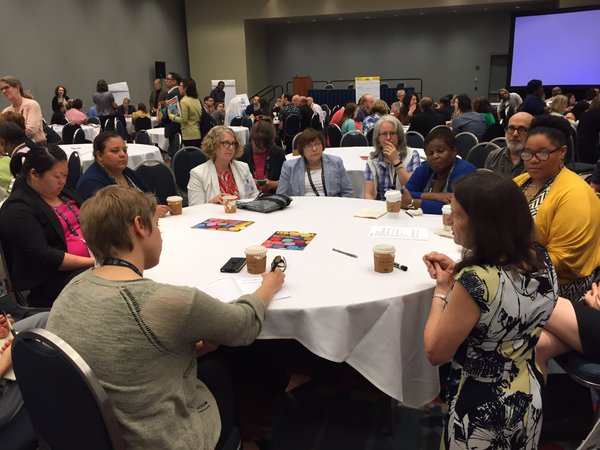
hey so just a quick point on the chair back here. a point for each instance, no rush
(52, 137)
(465, 141)
(384, 86)
(334, 134)
(79, 137)
(66, 403)
(354, 139)
(294, 141)
(315, 122)
(175, 145)
(499, 141)
(329, 86)
(121, 130)
(370, 136)
(350, 86)
(292, 125)
(479, 153)
(159, 179)
(75, 170)
(247, 122)
(142, 123)
(93, 121)
(236, 121)
(415, 139)
(109, 124)
(438, 126)
(206, 123)
(183, 162)
(68, 132)
(142, 137)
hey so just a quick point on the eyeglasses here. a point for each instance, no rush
(5, 88)
(314, 146)
(388, 134)
(521, 130)
(229, 144)
(542, 155)
(278, 262)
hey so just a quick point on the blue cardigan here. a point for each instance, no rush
(337, 182)
(95, 177)
(418, 181)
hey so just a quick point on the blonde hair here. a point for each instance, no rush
(107, 215)
(212, 140)
(559, 104)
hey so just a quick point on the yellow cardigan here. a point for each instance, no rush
(568, 225)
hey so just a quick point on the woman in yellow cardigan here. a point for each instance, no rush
(565, 208)
(190, 114)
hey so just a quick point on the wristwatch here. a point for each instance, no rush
(398, 165)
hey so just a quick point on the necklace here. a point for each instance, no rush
(312, 185)
(122, 263)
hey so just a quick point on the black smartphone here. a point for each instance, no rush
(234, 265)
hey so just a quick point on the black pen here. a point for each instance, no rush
(10, 328)
(398, 266)
(409, 214)
(344, 253)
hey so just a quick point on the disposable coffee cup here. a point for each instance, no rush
(295, 152)
(229, 201)
(383, 258)
(393, 202)
(256, 259)
(175, 203)
(446, 211)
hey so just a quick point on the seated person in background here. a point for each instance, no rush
(39, 226)
(306, 113)
(482, 106)
(222, 174)
(219, 113)
(75, 114)
(379, 109)
(555, 92)
(209, 104)
(316, 108)
(507, 160)
(110, 167)
(151, 376)
(252, 107)
(19, 120)
(314, 173)
(565, 209)
(58, 116)
(263, 111)
(346, 122)
(397, 105)
(558, 105)
(445, 107)
(126, 109)
(365, 107)
(510, 102)
(263, 157)
(467, 119)
(424, 121)
(410, 107)
(534, 103)
(277, 107)
(430, 186)
(141, 111)
(12, 138)
(391, 163)
(588, 130)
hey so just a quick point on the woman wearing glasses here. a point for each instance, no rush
(391, 163)
(221, 174)
(314, 174)
(565, 209)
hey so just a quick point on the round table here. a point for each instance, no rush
(89, 131)
(157, 136)
(137, 153)
(129, 123)
(340, 309)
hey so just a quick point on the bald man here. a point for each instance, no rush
(365, 109)
(507, 160)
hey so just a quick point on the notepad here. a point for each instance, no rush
(368, 213)
(228, 289)
(407, 233)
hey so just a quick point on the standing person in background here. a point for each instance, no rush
(510, 102)
(60, 96)
(534, 103)
(28, 108)
(104, 101)
(172, 128)
(218, 93)
(189, 116)
(157, 94)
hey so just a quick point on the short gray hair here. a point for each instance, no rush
(401, 147)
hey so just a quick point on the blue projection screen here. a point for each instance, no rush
(561, 49)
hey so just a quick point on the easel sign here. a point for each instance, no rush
(366, 85)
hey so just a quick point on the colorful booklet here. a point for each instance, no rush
(289, 240)
(223, 224)
(173, 106)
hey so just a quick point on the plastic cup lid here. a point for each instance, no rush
(393, 195)
(255, 250)
(385, 249)
(446, 209)
(174, 199)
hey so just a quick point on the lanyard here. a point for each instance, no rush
(312, 185)
(63, 217)
(393, 179)
(121, 263)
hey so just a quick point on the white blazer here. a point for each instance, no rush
(204, 182)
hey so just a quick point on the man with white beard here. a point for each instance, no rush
(507, 160)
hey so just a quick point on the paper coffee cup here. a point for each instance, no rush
(229, 201)
(175, 202)
(383, 258)
(393, 202)
(256, 259)
(446, 211)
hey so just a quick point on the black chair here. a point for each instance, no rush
(291, 128)
(65, 401)
(159, 179)
(415, 139)
(183, 162)
(499, 141)
(479, 153)
(384, 86)
(572, 160)
(350, 86)
(142, 123)
(247, 122)
(315, 122)
(294, 141)
(174, 145)
(75, 170)
(109, 124)
(354, 139)
(438, 126)
(495, 130)
(52, 137)
(329, 86)
(121, 130)
(465, 141)
(236, 121)
(370, 136)
(334, 134)
(68, 132)
(93, 121)
(79, 137)
(142, 137)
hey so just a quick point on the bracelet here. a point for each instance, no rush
(442, 296)
(411, 205)
(398, 164)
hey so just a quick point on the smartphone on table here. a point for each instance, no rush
(234, 265)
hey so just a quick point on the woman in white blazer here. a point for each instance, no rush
(221, 174)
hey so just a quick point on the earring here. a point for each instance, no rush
(562, 163)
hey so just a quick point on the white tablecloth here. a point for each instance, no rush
(355, 164)
(242, 133)
(137, 153)
(157, 136)
(129, 123)
(90, 131)
(340, 309)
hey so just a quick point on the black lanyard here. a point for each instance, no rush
(121, 263)
(312, 185)
(63, 217)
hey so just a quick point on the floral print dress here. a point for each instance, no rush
(494, 386)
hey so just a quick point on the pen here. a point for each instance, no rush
(409, 214)
(402, 268)
(10, 328)
(344, 253)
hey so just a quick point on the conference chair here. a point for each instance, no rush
(68, 132)
(325, 108)
(183, 162)
(291, 128)
(334, 134)
(465, 141)
(142, 137)
(52, 137)
(315, 122)
(109, 124)
(438, 126)
(236, 121)
(75, 169)
(415, 139)
(67, 405)
(495, 130)
(79, 137)
(354, 139)
(479, 153)
(350, 86)
(384, 86)
(247, 122)
(174, 145)
(159, 179)
(370, 136)
(294, 141)
(499, 141)
(142, 123)
(93, 121)
(572, 160)
(121, 130)
(329, 86)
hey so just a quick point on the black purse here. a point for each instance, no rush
(266, 203)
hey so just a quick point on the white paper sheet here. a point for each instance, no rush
(407, 233)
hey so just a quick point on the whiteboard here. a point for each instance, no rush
(366, 85)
